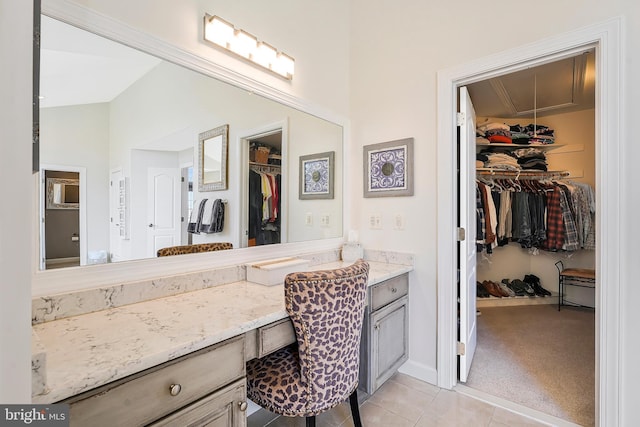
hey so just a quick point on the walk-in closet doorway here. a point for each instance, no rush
(604, 38)
(532, 136)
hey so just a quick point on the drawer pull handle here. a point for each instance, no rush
(242, 406)
(394, 290)
(175, 389)
(377, 326)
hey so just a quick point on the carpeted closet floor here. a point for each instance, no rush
(539, 357)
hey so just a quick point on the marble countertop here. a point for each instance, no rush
(90, 350)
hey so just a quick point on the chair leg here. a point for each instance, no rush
(311, 421)
(355, 409)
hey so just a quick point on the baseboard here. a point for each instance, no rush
(69, 260)
(420, 371)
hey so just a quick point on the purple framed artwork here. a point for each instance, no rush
(388, 168)
(316, 176)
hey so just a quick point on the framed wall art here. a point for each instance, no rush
(388, 168)
(316, 176)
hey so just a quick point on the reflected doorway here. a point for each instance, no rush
(264, 192)
(62, 205)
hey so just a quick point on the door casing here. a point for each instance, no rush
(606, 39)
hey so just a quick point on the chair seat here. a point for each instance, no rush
(274, 382)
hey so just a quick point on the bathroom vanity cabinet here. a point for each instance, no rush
(385, 345)
(180, 359)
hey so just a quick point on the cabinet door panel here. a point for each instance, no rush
(389, 341)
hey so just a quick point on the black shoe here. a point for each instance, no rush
(527, 287)
(518, 287)
(481, 292)
(541, 290)
(534, 281)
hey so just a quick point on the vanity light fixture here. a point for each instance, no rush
(241, 43)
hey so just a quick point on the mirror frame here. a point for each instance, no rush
(203, 185)
(51, 190)
(76, 279)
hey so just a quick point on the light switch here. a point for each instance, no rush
(308, 219)
(375, 221)
(398, 222)
(324, 220)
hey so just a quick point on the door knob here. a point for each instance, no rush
(242, 406)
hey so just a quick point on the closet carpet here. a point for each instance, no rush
(538, 357)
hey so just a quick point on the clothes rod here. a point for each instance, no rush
(523, 174)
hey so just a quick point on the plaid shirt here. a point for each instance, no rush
(571, 232)
(555, 223)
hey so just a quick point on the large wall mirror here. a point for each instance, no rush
(127, 118)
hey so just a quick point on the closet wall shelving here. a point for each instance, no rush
(264, 167)
(519, 174)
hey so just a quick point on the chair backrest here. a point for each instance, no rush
(192, 249)
(326, 308)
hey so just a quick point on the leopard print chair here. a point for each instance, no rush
(192, 249)
(326, 308)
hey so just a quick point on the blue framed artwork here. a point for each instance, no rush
(316, 176)
(388, 168)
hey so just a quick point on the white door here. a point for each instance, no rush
(163, 209)
(467, 247)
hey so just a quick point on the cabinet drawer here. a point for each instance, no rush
(388, 291)
(147, 396)
(274, 336)
(224, 408)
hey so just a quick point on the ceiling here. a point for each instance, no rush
(561, 86)
(78, 67)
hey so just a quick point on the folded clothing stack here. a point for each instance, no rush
(495, 132)
(531, 158)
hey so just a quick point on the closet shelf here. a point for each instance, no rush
(521, 174)
(544, 147)
(264, 167)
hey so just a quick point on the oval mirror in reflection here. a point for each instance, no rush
(136, 126)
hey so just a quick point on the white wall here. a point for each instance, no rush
(393, 88)
(78, 136)
(18, 184)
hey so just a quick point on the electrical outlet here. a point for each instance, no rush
(308, 219)
(324, 220)
(398, 222)
(375, 222)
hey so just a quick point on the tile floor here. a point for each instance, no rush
(404, 401)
